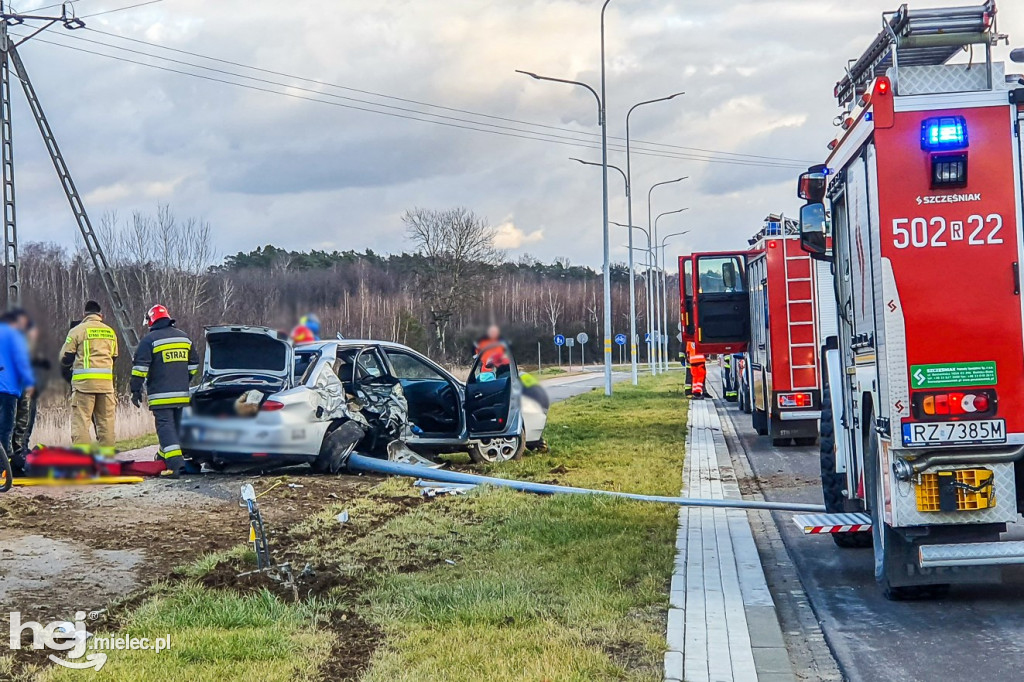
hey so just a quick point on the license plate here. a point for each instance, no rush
(951, 433)
(216, 436)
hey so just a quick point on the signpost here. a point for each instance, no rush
(620, 340)
(569, 343)
(583, 338)
(559, 341)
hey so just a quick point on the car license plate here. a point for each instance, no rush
(216, 435)
(951, 433)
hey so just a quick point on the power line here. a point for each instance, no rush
(691, 157)
(198, 55)
(472, 125)
(120, 9)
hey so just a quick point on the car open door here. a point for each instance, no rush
(492, 394)
(721, 311)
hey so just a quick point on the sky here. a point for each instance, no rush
(266, 168)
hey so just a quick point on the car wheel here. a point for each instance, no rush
(494, 450)
(337, 446)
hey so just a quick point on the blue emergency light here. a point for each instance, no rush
(944, 133)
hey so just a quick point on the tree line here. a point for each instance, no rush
(437, 297)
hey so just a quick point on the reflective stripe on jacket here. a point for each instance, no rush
(164, 363)
(94, 346)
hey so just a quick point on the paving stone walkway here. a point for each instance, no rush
(722, 623)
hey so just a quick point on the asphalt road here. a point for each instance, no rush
(563, 388)
(976, 633)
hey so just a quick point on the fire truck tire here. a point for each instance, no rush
(888, 544)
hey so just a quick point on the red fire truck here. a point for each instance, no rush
(922, 437)
(787, 330)
(780, 329)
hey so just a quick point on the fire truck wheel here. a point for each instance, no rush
(759, 420)
(832, 483)
(888, 544)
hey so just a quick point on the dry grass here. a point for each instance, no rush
(53, 423)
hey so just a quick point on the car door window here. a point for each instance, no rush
(369, 364)
(410, 368)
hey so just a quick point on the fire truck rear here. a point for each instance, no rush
(787, 328)
(924, 437)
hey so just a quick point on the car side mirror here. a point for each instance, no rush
(1017, 55)
(813, 238)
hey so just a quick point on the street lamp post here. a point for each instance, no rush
(664, 288)
(659, 297)
(629, 219)
(653, 227)
(647, 289)
(602, 121)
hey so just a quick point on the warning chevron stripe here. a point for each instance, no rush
(856, 528)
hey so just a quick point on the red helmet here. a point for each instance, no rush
(157, 312)
(302, 334)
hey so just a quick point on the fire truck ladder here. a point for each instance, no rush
(920, 37)
(9, 58)
(791, 320)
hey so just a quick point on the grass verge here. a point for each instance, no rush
(493, 585)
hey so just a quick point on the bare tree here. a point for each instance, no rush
(458, 249)
(553, 309)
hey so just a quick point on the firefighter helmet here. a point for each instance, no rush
(157, 312)
(302, 334)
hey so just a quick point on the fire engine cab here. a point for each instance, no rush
(922, 435)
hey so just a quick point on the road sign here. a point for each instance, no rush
(559, 339)
(647, 337)
(570, 342)
(679, 337)
(620, 339)
(582, 337)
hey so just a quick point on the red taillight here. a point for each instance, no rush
(956, 403)
(882, 86)
(271, 406)
(795, 400)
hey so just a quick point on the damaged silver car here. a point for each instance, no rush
(264, 400)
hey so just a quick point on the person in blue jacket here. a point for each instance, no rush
(16, 376)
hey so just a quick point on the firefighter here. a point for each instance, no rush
(302, 334)
(88, 357)
(728, 384)
(312, 323)
(165, 364)
(697, 369)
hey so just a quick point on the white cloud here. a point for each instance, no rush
(508, 236)
(265, 168)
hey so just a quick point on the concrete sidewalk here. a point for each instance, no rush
(722, 623)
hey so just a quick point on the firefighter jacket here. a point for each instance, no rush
(165, 363)
(90, 351)
(693, 357)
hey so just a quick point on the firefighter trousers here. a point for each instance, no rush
(700, 373)
(93, 409)
(168, 428)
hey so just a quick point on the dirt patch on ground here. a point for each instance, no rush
(752, 485)
(68, 549)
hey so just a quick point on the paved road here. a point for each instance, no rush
(977, 632)
(563, 388)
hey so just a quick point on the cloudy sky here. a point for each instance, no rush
(275, 167)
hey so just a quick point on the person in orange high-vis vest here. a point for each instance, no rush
(697, 369)
(88, 359)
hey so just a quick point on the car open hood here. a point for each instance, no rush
(248, 351)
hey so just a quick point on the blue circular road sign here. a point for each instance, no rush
(620, 339)
(647, 337)
(559, 339)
